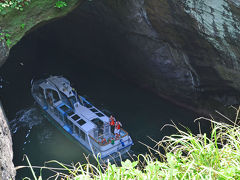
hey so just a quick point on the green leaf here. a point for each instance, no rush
(60, 4)
(7, 35)
(8, 42)
(23, 25)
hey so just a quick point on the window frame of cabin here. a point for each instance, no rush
(82, 134)
(53, 91)
(41, 91)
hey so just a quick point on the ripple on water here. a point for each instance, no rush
(26, 118)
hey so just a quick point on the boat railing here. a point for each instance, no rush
(100, 142)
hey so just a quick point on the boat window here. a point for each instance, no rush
(65, 99)
(75, 117)
(64, 108)
(99, 114)
(88, 105)
(93, 110)
(74, 129)
(41, 92)
(81, 122)
(70, 113)
(82, 134)
(55, 96)
(72, 99)
(52, 95)
(98, 122)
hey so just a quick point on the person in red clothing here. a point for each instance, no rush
(112, 120)
(112, 123)
(118, 126)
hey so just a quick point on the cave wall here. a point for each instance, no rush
(193, 28)
(189, 50)
(7, 170)
(4, 50)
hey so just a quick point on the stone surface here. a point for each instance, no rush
(36, 13)
(190, 50)
(7, 170)
(4, 50)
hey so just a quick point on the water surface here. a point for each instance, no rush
(141, 112)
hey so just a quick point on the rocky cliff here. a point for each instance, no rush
(189, 49)
(207, 32)
(14, 24)
(7, 170)
(4, 50)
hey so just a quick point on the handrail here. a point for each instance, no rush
(98, 142)
(91, 146)
(126, 133)
(93, 139)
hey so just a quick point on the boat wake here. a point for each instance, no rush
(26, 118)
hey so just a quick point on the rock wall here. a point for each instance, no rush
(4, 50)
(7, 170)
(189, 50)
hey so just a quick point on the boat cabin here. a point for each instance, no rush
(76, 113)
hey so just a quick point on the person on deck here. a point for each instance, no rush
(112, 123)
(118, 126)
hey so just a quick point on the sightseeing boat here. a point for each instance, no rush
(79, 118)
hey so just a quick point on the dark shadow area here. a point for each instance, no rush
(79, 47)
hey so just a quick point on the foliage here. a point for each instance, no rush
(15, 4)
(6, 36)
(186, 156)
(60, 4)
(22, 25)
(8, 42)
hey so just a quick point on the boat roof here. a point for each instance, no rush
(82, 116)
(58, 83)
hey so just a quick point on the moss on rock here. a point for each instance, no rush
(16, 23)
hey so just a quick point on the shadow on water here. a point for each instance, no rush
(141, 113)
